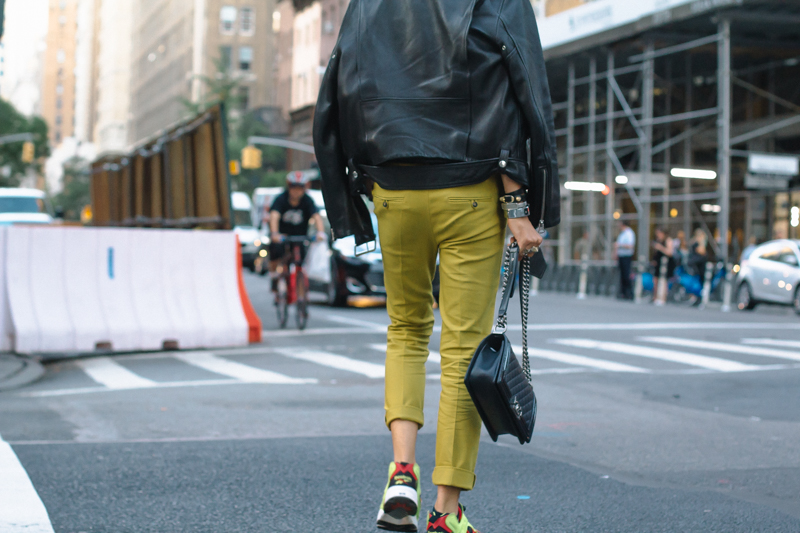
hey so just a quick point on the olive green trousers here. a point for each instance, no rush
(466, 227)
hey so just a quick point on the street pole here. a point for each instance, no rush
(646, 164)
(724, 143)
(611, 197)
(565, 231)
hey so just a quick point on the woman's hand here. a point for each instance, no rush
(524, 234)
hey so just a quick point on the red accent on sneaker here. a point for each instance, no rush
(439, 523)
(404, 468)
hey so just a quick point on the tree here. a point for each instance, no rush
(228, 88)
(77, 188)
(12, 168)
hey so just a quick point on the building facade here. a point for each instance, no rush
(179, 49)
(58, 72)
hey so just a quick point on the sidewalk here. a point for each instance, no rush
(16, 371)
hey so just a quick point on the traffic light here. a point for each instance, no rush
(235, 168)
(27, 152)
(251, 157)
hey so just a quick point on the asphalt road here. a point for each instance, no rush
(650, 419)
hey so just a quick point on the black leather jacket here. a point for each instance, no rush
(454, 87)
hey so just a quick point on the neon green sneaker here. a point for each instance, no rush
(399, 509)
(449, 523)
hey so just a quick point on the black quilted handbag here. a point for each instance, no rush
(501, 387)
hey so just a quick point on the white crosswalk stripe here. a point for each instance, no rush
(773, 342)
(113, 375)
(246, 373)
(725, 347)
(702, 361)
(433, 357)
(340, 362)
(580, 360)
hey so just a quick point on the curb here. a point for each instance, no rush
(17, 371)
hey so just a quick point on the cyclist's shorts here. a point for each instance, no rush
(278, 249)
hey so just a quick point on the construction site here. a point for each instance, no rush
(677, 114)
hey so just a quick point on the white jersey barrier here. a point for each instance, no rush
(72, 289)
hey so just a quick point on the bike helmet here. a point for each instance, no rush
(296, 177)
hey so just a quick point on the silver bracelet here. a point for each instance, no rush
(519, 212)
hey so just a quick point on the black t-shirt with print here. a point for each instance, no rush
(294, 220)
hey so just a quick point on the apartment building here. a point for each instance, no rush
(178, 45)
(58, 72)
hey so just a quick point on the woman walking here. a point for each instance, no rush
(432, 107)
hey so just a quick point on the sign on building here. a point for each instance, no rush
(782, 165)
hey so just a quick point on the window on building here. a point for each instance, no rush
(59, 89)
(276, 21)
(225, 58)
(227, 20)
(59, 103)
(61, 56)
(58, 136)
(245, 58)
(247, 21)
(58, 120)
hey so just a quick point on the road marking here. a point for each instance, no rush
(580, 360)
(372, 328)
(702, 361)
(773, 342)
(245, 373)
(725, 347)
(22, 509)
(113, 375)
(433, 357)
(355, 322)
(340, 362)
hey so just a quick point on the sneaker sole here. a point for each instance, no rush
(399, 511)
(388, 523)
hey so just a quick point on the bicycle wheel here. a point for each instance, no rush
(282, 302)
(302, 299)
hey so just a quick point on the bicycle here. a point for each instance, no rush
(293, 283)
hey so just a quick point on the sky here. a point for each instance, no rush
(23, 46)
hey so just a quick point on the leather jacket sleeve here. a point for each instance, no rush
(347, 213)
(518, 40)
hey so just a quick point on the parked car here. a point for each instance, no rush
(336, 270)
(249, 239)
(24, 206)
(771, 274)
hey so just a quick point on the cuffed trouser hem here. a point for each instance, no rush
(453, 477)
(405, 413)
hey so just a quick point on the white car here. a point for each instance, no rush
(24, 206)
(770, 274)
(249, 238)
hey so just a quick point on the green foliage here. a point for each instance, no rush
(76, 193)
(224, 87)
(11, 166)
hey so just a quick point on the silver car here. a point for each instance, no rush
(771, 274)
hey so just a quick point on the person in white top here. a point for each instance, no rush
(624, 247)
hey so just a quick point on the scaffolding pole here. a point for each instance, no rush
(565, 232)
(724, 134)
(591, 163)
(646, 157)
(611, 197)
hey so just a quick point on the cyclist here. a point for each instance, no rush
(291, 213)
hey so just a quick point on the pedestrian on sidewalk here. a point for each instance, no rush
(429, 107)
(626, 242)
(663, 246)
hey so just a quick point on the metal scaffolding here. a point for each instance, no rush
(667, 91)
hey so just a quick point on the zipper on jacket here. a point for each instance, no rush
(541, 229)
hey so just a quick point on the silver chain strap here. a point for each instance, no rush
(502, 318)
(526, 291)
